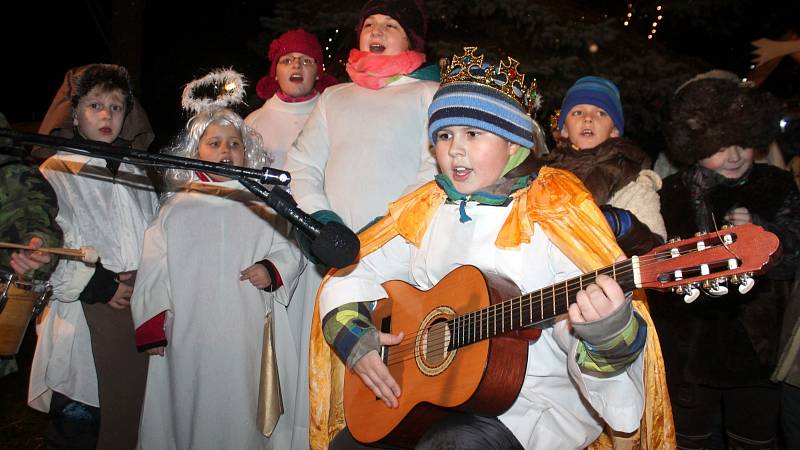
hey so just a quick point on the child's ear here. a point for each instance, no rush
(614, 133)
(512, 148)
(74, 119)
(564, 133)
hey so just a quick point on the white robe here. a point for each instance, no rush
(550, 412)
(362, 148)
(279, 123)
(203, 394)
(109, 216)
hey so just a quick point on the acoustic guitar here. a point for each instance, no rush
(466, 339)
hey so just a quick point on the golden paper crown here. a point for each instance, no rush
(504, 77)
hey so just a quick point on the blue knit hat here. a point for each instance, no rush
(596, 91)
(480, 106)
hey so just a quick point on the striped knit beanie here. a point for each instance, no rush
(596, 91)
(480, 106)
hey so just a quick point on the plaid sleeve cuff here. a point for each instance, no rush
(344, 327)
(616, 354)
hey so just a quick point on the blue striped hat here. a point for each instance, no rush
(596, 91)
(480, 106)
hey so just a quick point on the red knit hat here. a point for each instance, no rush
(299, 41)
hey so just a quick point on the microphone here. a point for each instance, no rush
(333, 243)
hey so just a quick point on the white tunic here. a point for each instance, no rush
(279, 123)
(203, 394)
(550, 412)
(362, 148)
(109, 214)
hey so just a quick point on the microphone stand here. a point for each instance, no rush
(132, 156)
(333, 243)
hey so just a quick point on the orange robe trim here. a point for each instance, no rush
(564, 209)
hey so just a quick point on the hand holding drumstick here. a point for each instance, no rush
(23, 262)
(37, 256)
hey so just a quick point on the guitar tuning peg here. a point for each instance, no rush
(699, 233)
(747, 283)
(692, 294)
(735, 279)
(725, 227)
(673, 240)
(714, 289)
(679, 290)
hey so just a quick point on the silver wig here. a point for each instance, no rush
(187, 145)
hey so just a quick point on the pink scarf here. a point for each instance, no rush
(290, 99)
(374, 71)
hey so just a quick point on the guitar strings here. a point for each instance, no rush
(488, 313)
(401, 352)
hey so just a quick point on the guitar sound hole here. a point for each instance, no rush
(436, 342)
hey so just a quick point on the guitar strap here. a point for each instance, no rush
(565, 211)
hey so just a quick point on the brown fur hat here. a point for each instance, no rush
(716, 110)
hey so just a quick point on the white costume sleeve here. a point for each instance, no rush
(70, 277)
(362, 282)
(427, 167)
(641, 198)
(612, 397)
(285, 256)
(307, 160)
(152, 291)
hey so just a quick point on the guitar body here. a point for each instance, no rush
(483, 378)
(466, 339)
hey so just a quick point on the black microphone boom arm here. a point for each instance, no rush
(133, 156)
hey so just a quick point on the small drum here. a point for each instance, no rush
(19, 301)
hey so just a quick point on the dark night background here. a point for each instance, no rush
(167, 44)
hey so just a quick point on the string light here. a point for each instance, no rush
(653, 26)
(629, 16)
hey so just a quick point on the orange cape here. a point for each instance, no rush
(564, 209)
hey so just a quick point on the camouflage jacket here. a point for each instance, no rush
(28, 207)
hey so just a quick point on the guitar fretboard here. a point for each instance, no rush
(531, 309)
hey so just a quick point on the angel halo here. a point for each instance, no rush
(220, 88)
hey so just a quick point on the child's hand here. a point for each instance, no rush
(375, 374)
(26, 261)
(155, 351)
(597, 300)
(739, 216)
(122, 298)
(258, 276)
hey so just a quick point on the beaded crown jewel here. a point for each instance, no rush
(503, 77)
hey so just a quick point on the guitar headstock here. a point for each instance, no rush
(708, 261)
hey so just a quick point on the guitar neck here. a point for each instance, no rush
(533, 308)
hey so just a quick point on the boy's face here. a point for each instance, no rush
(472, 158)
(730, 162)
(588, 126)
(296, 74)
(221, 144)
(382, 35)
(100, 114)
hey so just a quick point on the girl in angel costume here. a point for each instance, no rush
(216, 275)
